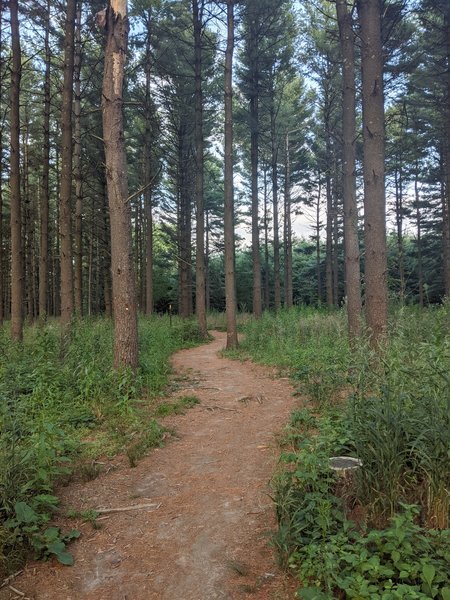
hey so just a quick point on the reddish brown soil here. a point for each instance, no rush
(207, 537)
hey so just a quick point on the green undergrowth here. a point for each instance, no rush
(218, 320)
(62, 405)
(383, 531)
(178, 407)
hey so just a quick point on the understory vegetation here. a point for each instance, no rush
(62, 406)
(381, 530)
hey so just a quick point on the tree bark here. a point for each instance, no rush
(266, 287)
(200, 295)
(78, 272)
(123, 279)
(27, 221)
(2, 313)
(256, 259)
(288, 287)
(15, 196)
(45, 187)
(106, 254)
(56, 271)
(335, 253)
(373, 168)
(147, 180)
(419, 236)
(446, 178)
(184, 227)
(318, 253)
(329, 227)
(399, 223)
(2, 280)
(230, 283)
(445, 201)
(351, 243)
(65, 228)
(276, 234)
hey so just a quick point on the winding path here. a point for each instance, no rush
(206, 535)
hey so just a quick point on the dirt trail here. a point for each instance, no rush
(207, 537)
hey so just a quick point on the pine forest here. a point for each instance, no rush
(192, 193)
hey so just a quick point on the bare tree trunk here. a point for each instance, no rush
(446, 165)
(230, 283)
(90, 265)
(2, 280)
(184, 231)
(207, 274)
(445, 200)
(148, 242)
(256, 259)
(2, 313)
(148, 253)
(65, 228)
(138, 245)
(335, 253)
(351, 243)
(373, 168)
(318, 227)
(45, 188)
(78, 272)
(288, 287)
(56, 251)
(16, 211)
(200, 291)
(276, 234)
(123, 279)
(27, 221)
(147, 180)
(399, 224)
(106, 255)
(329, 228)
(266, 246)
(419, 236)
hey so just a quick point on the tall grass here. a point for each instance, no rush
(392, 411)
(58, 407)
(398, 414)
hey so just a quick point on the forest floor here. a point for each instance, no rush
(201, 529)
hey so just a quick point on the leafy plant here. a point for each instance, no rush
(401, 561)
(88, 516)
(61, 410)
(28, 521)
(176, 408)
(152, 437)
(396, 419)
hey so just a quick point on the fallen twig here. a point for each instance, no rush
(16, 591)
(246, 399)
(10, 578)
(103, 511)
(218, 408)
(203, 387)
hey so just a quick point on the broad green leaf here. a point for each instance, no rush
(51, 534)
(429, 573)
(24, 513)
(445, 593)
(65, 558)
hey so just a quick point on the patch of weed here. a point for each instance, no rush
(59, 410)
(87, 516)
(392, 411)
(178, 407)
(151, 437)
